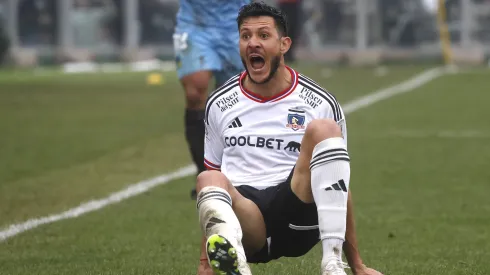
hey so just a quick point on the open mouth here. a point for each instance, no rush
(257, 62)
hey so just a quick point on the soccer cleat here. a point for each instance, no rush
(222, 256)
(334, 266)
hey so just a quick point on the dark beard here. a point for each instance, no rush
(275, 62)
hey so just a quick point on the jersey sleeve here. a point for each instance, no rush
(334, 111)
(213, 144)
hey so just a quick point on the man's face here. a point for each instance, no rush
(260, 48)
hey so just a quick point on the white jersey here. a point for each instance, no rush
(255, 140)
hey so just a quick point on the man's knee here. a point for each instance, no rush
(195, 96)
(211, 178)
(196, 89)
(321, 129)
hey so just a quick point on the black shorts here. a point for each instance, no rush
(292, 225)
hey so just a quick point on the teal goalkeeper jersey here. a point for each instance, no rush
(210, 13)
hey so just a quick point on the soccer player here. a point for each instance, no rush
(206, 45)
(279, 170)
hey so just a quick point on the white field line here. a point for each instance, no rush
(423, 134)
(404, 87)
(144, 186)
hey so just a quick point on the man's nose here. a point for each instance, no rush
(254, 42)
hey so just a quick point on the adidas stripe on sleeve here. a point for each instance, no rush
(332, 109)
(213, 147)
(213, 142)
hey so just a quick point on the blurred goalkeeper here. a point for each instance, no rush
(206, 46)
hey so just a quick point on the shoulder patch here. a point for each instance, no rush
(313, 90)
(224, 97)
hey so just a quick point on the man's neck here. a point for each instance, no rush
(281, 81)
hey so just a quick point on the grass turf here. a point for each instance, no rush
(419, 176)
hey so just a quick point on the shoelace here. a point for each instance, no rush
(336, 265)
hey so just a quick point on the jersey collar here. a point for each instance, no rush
(258, 98)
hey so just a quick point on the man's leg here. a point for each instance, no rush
(225, 212)
(196, 89)
(196, 92)
(322, 175)
(196, 62)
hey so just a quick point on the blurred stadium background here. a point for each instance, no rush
(90, 105)
(49, 31)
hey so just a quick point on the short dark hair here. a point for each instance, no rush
(261, 9)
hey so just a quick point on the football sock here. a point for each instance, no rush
(194, 133)
(216, 216)
(330, 175)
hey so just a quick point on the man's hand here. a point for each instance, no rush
(364, 270)
(204, 269)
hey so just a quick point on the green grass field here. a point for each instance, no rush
(420, 177)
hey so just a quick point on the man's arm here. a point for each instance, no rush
(350, 245)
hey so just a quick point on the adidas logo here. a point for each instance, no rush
(212, 222)
(337, 186)
(235, 124)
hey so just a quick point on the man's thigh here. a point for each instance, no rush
(301, 179)
(251, 221)
(291, 225)
(194, 50)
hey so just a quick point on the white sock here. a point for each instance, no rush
(216, 216)
(330, 176)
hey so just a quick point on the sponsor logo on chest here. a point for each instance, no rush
(262, 142)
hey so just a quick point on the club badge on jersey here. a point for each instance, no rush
(296, 119)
